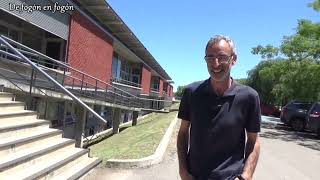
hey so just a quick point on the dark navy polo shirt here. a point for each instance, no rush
(218, 125)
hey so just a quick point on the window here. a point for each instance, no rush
(155, 83)
(14, 35)
(31, 41)
(3, 30)
(116, 65)
(136, 78)
(136, 75)
(125, 72)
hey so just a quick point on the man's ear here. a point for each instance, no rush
(234, 59)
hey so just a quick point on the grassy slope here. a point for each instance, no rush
(137, 141)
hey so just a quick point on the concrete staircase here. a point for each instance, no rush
(29, 149)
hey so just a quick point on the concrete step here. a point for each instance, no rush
(35, 165)
(75, 162)
(46, 169)
(75, 172)
(4, 96)
(33, 152)
(17, 115)
(23, 132)
(16, 128)
(13, 145)
(11, 106)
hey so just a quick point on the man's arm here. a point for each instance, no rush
(182, 147)
(251, 156)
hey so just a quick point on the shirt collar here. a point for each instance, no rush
(231, 91)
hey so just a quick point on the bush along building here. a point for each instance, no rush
(69, 72)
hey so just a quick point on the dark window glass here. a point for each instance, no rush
(3, 30)
(316, 108)
(302, 106)
(31, 41)
(14, 35)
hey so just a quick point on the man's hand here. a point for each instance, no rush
(186, 176)
(244, 177)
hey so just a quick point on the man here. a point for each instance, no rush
(216, 117)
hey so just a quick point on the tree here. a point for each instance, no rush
(304, 44)
(315, 5)
(292, 70)
(179, 92)
(266, 52)
(242, 81)
(279, 81)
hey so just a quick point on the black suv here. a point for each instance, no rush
(313, 118)
(294, 114)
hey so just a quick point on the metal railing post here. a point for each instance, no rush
(96, 86)
(82, 81)
(30, 91)
(80, 127)
(64, 76)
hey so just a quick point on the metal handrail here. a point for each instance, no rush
(65, 65)
(15, 71)
(2, 39)
(42, 60)
(126, 82)
(154, 90)
(12, 83)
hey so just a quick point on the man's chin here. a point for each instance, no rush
(218, 77)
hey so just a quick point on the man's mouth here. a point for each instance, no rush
(216, 70)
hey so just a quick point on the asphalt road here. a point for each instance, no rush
(285, 155)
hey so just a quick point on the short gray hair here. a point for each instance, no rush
(217, 38)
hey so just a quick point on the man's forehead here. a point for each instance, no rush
(222, 46)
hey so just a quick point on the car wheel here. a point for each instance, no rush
(297, 124)
(318, 133)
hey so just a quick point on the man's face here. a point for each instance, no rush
(219, 58)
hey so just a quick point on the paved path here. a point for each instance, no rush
(285, 155)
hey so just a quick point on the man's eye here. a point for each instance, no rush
(222, 57)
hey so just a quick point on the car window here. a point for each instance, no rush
(316, 108)
(306, 106)
(302, 106)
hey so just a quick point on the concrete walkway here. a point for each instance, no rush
(285, 155)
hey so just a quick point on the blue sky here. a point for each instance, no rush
(176, 32)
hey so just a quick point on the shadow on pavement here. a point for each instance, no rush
(285, 133)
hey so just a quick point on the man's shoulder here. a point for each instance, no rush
(195, 85)
(247, 90)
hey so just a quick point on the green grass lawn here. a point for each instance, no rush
(175, 106)
(136, 141)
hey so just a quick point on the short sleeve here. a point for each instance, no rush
(253, 120)
(184, 108)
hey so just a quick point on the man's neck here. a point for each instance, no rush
(220, 87)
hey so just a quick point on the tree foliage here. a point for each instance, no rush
(242, 81)
(304, 44)
(179, 92)
(315, 5)
(279, 81)
(292, 70)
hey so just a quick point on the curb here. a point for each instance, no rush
(146, 161)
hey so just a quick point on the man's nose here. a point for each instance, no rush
(215, 62)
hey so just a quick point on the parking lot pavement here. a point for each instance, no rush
(285, 155)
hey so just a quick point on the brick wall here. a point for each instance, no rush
(170, 89)
(90, 49)
(160, 87)
(145, 80)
